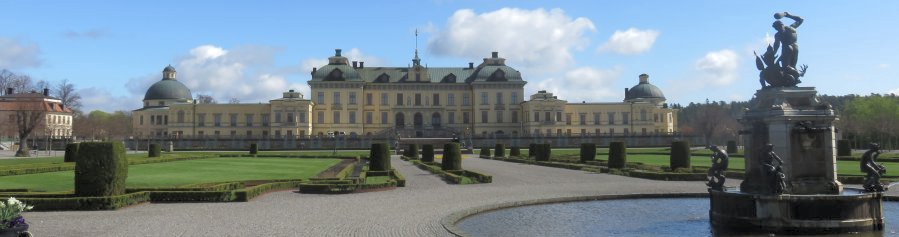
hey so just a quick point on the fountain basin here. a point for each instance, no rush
(850, 211)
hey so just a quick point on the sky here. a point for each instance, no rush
(580, 50)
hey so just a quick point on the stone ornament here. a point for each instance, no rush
(716, 177)
(781, 71)
(873, 170)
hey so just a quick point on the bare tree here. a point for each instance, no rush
(28, 116)
(234, 101)
(205, 99)
(19, 83)
(65, 91)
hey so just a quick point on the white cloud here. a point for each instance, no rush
(894, 91)
(94, 98)
(533, 39)
(718, 67)
(92, 34)
(883, 65)
(584, 84)
(15, 54)
(630, 42)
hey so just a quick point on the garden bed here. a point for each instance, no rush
(452, 176)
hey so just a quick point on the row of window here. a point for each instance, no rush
(417, 100)
(625, 117)
(643, 131)
(248, 133)
(53, 119)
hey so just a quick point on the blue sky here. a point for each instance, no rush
(581, 50)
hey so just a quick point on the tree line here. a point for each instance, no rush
(862, 119)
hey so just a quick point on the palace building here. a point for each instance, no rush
(413, 101)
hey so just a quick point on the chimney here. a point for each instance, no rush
(10, 90)
(625, 93)
(361, 64)
(313, 70)
(336, 52)
(355, 64)
(470, 65)
(495, 54)
(46, 92)
(644, 78)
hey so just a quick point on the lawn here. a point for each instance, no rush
(179, 173)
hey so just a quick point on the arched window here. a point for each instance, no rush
(400, 120)
(418, 120)
(435, 119)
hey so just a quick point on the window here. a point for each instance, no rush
(626, 131)
(466, 118)
(399, 98)
(368, 99)
(233, 133)
(352, 117)
(436, 99)
(265, 120)
(352, 98)
(483, 98)
(484, 116)
(514, 116)
(655, 117)
(499, 98)
(201, 120)
(536, 116)
(383, 98)
(583, 117)
(302, 117)
(514, 98)
(642, 115)
(152, 119)
(368, 117)
(611, 118)
(321, 117)
(558, 116)
(216, 120)
(249, 120)
(451, 117)
(233, 119)
(567, 119)
(277, 118)
(384, 117)
(499, 116)
(217, 133)
(548, 117)
(466, 99)
(336, 118)
(417, 99)
(336, 99)
(451, 99)
(644, 131)
(278, 133)
(249, 133)
(180, 116)
(625, 118)
(320, 99)
(290, 118)
(596, 118)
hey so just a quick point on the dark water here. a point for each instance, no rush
(626, 217)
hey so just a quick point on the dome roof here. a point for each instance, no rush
(169, 69)
(336, 70)
(168, 89)
(644, 90)
(494, 69)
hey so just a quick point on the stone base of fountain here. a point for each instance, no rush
(851, 211)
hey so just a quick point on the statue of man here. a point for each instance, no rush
(872, 169)
(719, 165)
(772, 170)
(786, 38)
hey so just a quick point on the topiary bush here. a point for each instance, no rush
(101, 169)
(485, 152)
(588, 152)
(680, 155)
(413, 151)
(71, 152)
(731, 147)
(843, 148)
(532, 150)
(154, 150)
(499, 150)
(427, 153)
(617, 155)
(452, 157)
(515, 151)
(544, 151)
(379, 157)
(254, 148)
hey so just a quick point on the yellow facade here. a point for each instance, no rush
(414, 101)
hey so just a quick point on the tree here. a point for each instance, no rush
(28, 116)
(234, 101)
(99, 125)
(19, 83)
(205, 99)
(65, 91)
(872, 118)
(713, 121)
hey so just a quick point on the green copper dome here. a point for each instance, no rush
(644, 90)
(167, 89)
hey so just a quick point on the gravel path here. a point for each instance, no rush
(414, 210)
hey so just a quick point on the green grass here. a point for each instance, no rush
(376, 179)
(179, 173)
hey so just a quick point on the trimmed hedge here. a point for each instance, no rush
(499, 150)
(71, 152)
(515, 151)
(154, 151)
(86, 203)
(532, 150)
(588, 152)
(843, 148)
(485, 152)
(247, 194)
(100, 169)
(412, 151)
(254, 149)
(731, 147)
(544, 151)
(617, 155)
(379, 157)
(452, 156)
(427, 153)
(680, 155)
